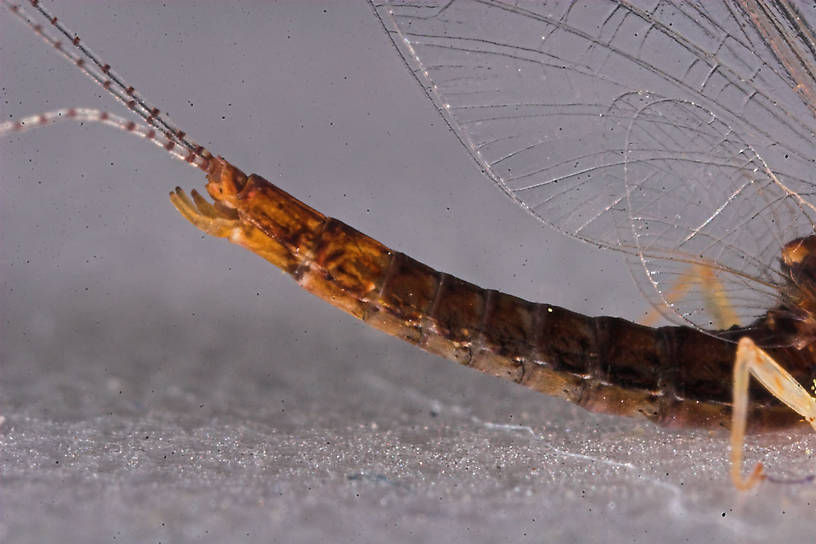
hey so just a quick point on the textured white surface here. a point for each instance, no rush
(159, 386)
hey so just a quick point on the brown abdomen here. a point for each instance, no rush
(674, 376)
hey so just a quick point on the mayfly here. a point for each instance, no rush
(522, 108)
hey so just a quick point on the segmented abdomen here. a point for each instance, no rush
(674, 376)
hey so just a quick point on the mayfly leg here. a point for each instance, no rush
(713, 294)
(753, 361)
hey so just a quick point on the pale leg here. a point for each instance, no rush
(753, 361)
(713, 292)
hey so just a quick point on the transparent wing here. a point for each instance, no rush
(671, 132)
(697, 194)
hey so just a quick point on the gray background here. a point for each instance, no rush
(157, 385)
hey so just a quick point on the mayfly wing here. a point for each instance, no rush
(672, 133)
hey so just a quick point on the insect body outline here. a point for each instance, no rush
(455, 346)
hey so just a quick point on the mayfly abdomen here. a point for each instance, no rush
(673, 376)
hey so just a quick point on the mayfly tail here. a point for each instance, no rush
(88, 115)
(90, 65)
